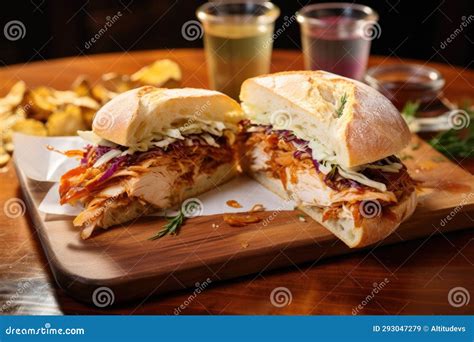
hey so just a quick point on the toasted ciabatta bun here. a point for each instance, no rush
(371, 230)
(369, 127)
(135, 115)
(125, 182)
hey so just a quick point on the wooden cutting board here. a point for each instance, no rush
(125, 261)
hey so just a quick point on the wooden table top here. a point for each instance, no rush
(417, 276)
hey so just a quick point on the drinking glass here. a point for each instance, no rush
(336, 37)
(237, 41)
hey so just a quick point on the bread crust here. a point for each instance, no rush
(132, 116)
(369, 232)
(113, 119)
(371, 128)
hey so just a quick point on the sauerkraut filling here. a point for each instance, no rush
(321, 182)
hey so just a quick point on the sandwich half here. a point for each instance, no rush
(329, 143)
(151, 148)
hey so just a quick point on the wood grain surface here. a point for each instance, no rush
(416, 276)
(132, 267)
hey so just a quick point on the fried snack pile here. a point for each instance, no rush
(45, 111)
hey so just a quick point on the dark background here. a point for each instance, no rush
(410, 29)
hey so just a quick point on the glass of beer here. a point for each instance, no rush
(238, 39)
(336, 37)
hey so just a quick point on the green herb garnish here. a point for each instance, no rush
(454, 142)
(343, 101)
(410, 109)
(171, 227)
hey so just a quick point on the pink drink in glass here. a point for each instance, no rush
(333, 38)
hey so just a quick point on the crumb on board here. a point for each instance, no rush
(244, 245)
(301, 217)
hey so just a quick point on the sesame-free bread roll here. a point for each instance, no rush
(153, 149)
(366, 128)
(132, 117)
(318, 138)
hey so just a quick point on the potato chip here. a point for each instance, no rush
(6, 126)
(30, 126)
(25, 109)
(81, 86)
(60, 98)
(40, 103)
(65, 122)
(158, 73)
(88, 116)
(8, 147)
(102, 94)
(46, 111)
(118, 83)
(14, 98)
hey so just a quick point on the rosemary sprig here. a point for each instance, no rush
(343, 101)
(171, 227)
